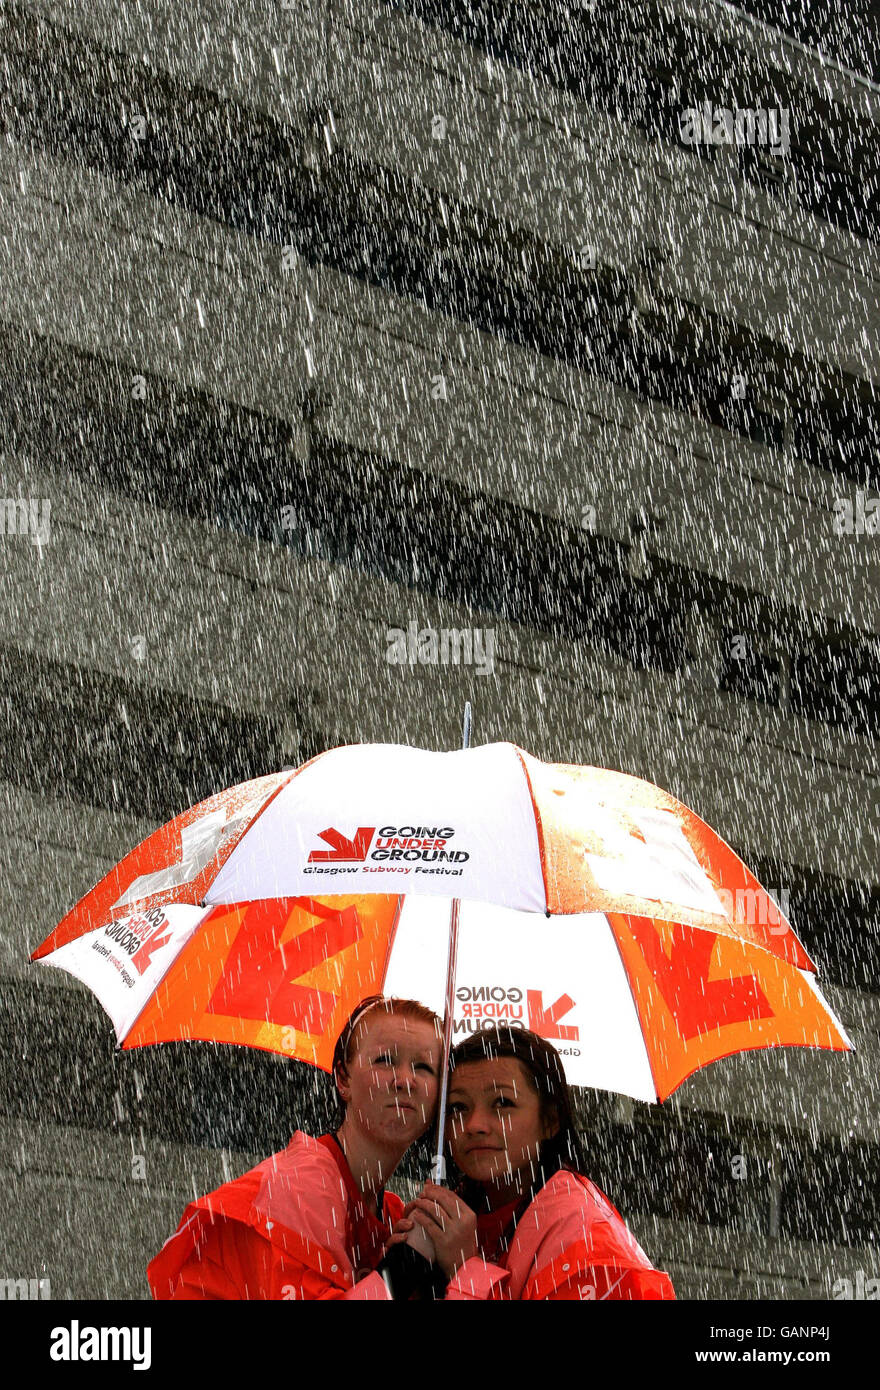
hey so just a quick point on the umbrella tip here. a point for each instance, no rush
(467, 725)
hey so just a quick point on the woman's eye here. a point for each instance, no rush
(504, 1103)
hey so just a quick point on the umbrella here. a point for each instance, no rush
(594, 908)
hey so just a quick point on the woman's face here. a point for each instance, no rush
(495, 1122)
(391, 1080)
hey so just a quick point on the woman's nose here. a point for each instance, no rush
(478, 1121)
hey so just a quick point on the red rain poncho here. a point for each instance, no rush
(570, 1244)
(294, 1227)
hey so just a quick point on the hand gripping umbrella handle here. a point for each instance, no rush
(438, 1162)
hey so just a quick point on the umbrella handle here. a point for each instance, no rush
(438, 1162)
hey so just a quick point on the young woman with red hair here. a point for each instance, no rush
(312, 1221)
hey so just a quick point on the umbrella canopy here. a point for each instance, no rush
(262, 916)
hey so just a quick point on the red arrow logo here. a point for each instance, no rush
(546, 1021)
(144, 954)
(257, 981)
(342, 848)
(697, 1003)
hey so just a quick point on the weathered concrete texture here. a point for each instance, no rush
(163, 291)
(81, 1212)
(247, 623)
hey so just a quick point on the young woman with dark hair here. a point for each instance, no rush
(312, 1222)
(524, 1222)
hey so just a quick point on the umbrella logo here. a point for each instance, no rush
(140, 936)
(410, 842)
(545, 1021)
(344, 850)
(159, 937)
(484, 1006)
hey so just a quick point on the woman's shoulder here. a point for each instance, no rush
(570, 1198)
(298, 1193)
(305, 1170)
(573, 1202)
(570, 1186)
(302, 1152)
(294, 1201)
(579, 1188)
(304, 1175)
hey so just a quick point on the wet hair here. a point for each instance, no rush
(397, 1008)
(543, 1066)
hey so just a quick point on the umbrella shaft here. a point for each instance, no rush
(438, 1165)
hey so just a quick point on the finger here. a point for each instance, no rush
(434, 1209)
(441, 1194)
(428, 1222)
(429, 1209)
(446, 1200)
(423, 1204)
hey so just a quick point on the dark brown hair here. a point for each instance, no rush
(543, 1065)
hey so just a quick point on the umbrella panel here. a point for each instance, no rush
(633, 1004)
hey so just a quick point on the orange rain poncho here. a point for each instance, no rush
(294, 1227)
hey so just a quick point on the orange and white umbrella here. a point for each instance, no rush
(595, 909)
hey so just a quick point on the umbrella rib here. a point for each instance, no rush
(539, 826)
